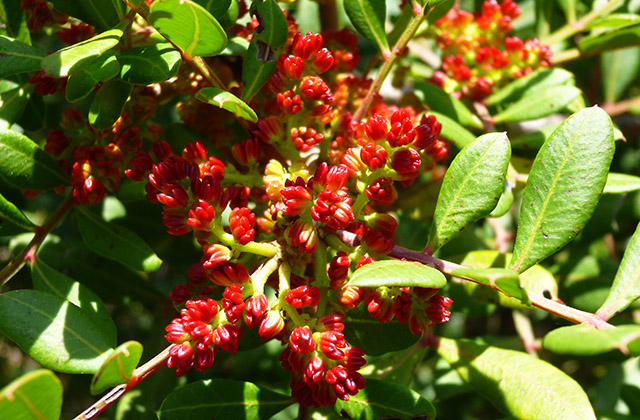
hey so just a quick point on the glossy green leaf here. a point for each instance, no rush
(586, 340)
(626, 285)
(102, 14)
(535, 82)
(506, 199)
(613, 20)
(14, 97)
(538, 104)
(619, 70)
(118, 367)
(17, 57)
(108, 104)
(227, 100)
(362, 331)
(222, 398)
(149, 64)
(564, 185)
(521, 385)
(116, 242)
(53, 331)
(453, 131)
(471, 187)
(74, 57)
(50, 280)
(236, 46)
(36, 395)
(80, 84)
(267, 41)
(440, 101)
(27, 166)
(217, 8)
(189, 26)
(611, 39)
(621, 183)
(12, 220)
(368, 18)
(397, 273)
(380, 399)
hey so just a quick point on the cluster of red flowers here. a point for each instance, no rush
(477, 54)
(306, 116)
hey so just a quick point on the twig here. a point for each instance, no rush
(28, 254)
(622, 107)
(390, 61)
(573, 28)
(525, 331)
(114, 395)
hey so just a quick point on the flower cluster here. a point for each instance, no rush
(477, 54)
(307, 173)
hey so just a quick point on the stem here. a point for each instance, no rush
(572, 28)
(567, 55)
(617, 108)
(114, 395)
(567, 312)
(260, 276)
(328, 15)
(199, 63)
(525, 331)
(268, 250)
(303, 412)
(389, 62)
(28, 254)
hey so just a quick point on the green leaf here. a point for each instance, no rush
(621, 183)
(189, 26)
(236, 46)
(149, 64)
(380, 399)
(504, 280)
(108, 104)
(586, 340)
(521, 385)
(266, 43)
(222, 399)
(50, 280)
(36, 395)
(34, 114)
(82, 83)
(53, 331)
(611, 39)
(397, 273)
(12, 220)
(613, 19)
(619, 70)
(15, 21)
(535, 139)
(116, 242)
(453, 131)
(440, 101)
(368, 18)
(371, 335)
(217, 8)
(17, 57)
(74, 57)
(227, 100)
(102, 14)
(118, 367)
(506, 199)
(532, 83)
(626, 285)
(27, 166)
(564, 185)
(14, 97)
(539, 104)
(471, 187)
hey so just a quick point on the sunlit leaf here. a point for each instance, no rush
(108, 104)
(471, 187)
(517, 383)
(440, 101)
(564, 186)
(118, 367)
(397, 273)
(53, 331)
(538, 104)
(12, 220)
(149, 64)
(368, 18)
(36, 395)
(227, 100)
(586, 340)
(81, 84)
(27, 166)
